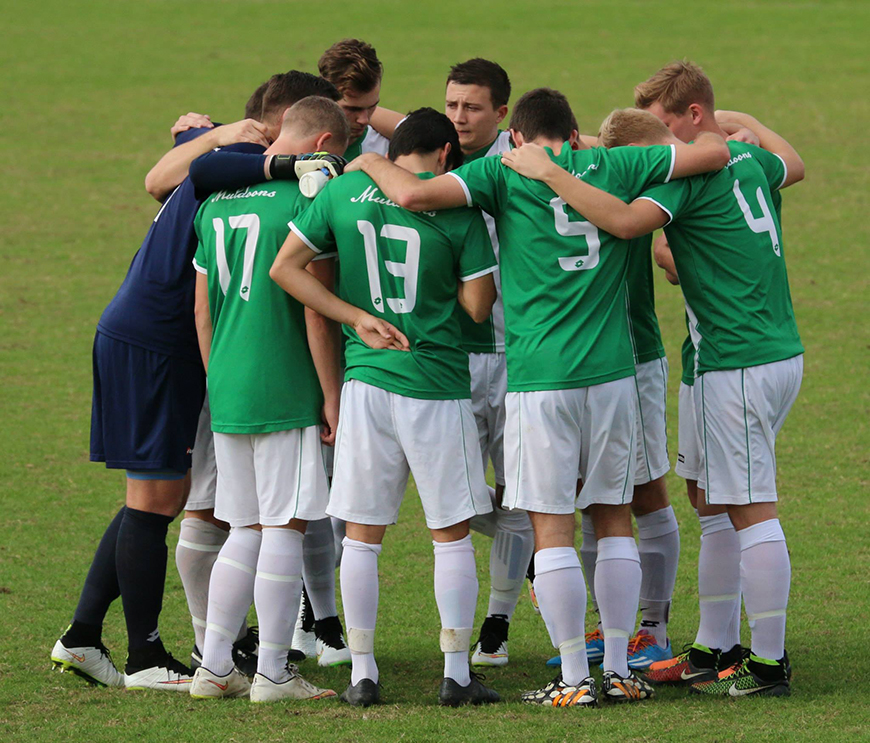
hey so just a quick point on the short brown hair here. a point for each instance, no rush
(543, 112)
(286, 89)
(315, 114)
(675, 87)
(351, 65)
(254, 106)
(486, 74)
(625, 126)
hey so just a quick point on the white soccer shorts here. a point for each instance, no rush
(651, 437)
(270, 478)
(739, 413)
(383, 437)
(689, 454)
(549, 433)
(488, 388)
(203, 471)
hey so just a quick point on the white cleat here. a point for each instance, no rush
(170, 675)
(331, 656)
(208, 685)
(304, 642)
(263, 689)
(331, 648)
(498, 656)
(93, 664)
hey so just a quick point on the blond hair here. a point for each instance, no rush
(314, 115)
(675, 87)
(625, 126)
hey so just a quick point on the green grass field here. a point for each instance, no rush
(90, 90)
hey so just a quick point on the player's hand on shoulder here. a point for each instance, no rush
(379, 334)
(246, 130)
(190, 120)
(359, 163)
(744, 134)
(530, 160)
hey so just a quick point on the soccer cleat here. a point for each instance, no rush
(93, 664)
(615, 688)
(749, 677)
(559, 694)
(304, 639)
(643, 651)
(331, 648)
(451, 694)
(594, 649)
(166, 674)
(491, 648)
(208, 685)
(693, 665)
(263, 689)
(364, 693)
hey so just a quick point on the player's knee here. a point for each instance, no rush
(649, 497)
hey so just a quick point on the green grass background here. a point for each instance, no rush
(89, 91)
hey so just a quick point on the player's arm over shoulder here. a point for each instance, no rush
(477, 263)
(769, 141)
(406, 189)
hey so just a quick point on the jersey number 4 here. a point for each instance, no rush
(762, 224)
(251, 223)
(567, 228)
(407, 271)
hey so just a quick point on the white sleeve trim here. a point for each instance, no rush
(464, 189)
(666, 211)
(673, 163)
(785, 172)
(302, 237)
(324, 256)
(199, 269)
(471, 277)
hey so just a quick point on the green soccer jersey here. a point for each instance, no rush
(487, 336)
(646, 338)
(403, 267)
(687, 355)
(563, 281)
(260, 374)
(727, 246)
(369, 141)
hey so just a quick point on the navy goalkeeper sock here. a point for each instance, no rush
(141, 563)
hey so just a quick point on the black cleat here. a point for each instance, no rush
(365, 693)
(452, 694)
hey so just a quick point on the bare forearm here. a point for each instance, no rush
(204, 335)
(324, 342)
(602, 209)
(308, 290)
(173, 167)
(769, 140)
(384, 121)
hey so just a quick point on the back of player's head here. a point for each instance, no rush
(543, 112)
(314, 115)
(285, 89)
(486, 74)
(423, 131)
(675, 87)
(625, 126)
(254, 106)
(352, 66)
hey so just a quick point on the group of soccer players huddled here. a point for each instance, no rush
(376, 295)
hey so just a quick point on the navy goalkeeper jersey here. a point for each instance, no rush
(153, 308)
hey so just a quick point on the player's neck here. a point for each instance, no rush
(488, 143)
(710, 125)
(415, 163)
(554, 144)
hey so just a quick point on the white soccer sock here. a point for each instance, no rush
(718, 582)
(198, 545)
(359, 595)
(509, 557)
(318, 567)
(765, 573)
(231, 591)
(658, 545)
(561, 595)
(277, 591)
(456, 595)
(588, 556)
(617, 585)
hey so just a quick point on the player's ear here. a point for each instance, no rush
(500, 113)
(517, 138)
(443, 155)
(322, 140)
(697, 113)
(574, 139)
